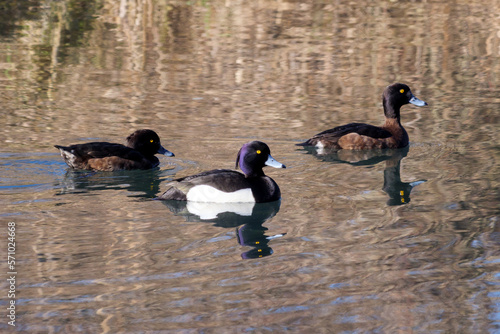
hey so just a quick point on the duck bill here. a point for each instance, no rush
(417, 102)
(273, 163)
(164, 151)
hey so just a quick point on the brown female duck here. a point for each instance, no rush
(138, 153)
(360, 136)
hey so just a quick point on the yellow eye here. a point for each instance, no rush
(151, 141)
(258, 152)
(402, 91)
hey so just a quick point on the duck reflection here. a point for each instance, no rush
(398, 191)
(142, 183)
(247, 218)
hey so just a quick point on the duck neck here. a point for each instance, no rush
(394, 126)
(392, 123)
(250, 172)
(253, 173)
(391, 111)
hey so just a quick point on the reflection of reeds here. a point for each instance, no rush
(223, 59)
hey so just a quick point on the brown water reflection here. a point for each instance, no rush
(95, 254)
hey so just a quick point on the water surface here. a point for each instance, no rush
(397, 241)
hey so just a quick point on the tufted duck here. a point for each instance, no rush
(359, 136)
(138, 153)
(224, 185)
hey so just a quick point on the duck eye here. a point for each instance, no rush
(258, 151)
(151, 141)
(401, 90)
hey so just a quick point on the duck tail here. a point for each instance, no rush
(306, 143)
(64, 148)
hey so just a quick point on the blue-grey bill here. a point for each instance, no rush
(417, 102)
(416, 183)
(164, 151)
(273, 163)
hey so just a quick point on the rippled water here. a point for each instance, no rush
(391, 242)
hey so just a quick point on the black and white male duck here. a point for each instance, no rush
(360, 136)
(137, 153)
(229, 186)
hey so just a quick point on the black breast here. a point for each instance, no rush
(264, 189)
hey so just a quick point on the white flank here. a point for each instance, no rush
(320, 148)
(212, 210)
(204, 193)
(69, 157)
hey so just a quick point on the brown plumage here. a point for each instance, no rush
(360, 136)
(138, 153)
